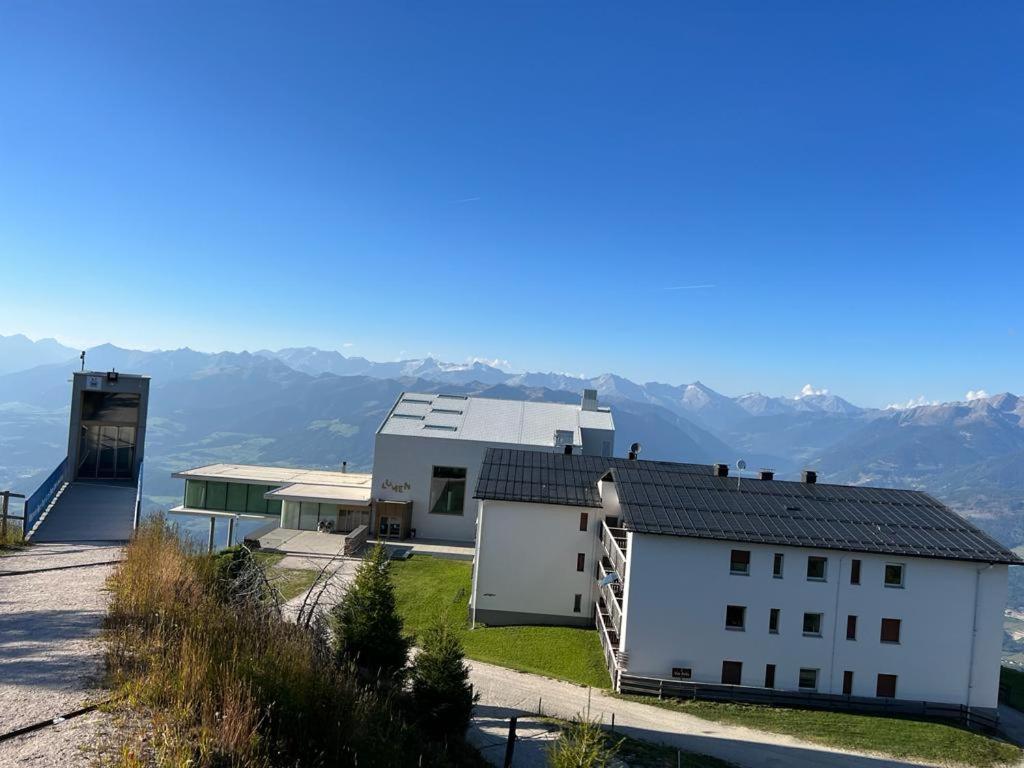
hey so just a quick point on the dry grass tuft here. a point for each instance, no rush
(224, 681)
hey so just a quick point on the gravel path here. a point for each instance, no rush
(51, 659)
(504, 692)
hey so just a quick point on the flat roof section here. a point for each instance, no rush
(257, 475)
(490, 420)
(324, 494)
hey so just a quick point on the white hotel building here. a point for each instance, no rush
(694, 575)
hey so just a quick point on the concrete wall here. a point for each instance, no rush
(677, 590)
(525, 564)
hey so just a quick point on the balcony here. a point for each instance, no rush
(614, 542)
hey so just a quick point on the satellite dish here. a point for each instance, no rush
(741, 464)
(634, 448)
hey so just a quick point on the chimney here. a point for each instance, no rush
(809, 476)
(767, 474)
(344, 466)
(721, 470)
(568, 450)
(589, 400)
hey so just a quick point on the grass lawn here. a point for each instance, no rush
(431, 587)
(1013, 680)
(291, 582)
(901, 738)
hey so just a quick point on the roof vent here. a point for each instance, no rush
(721, 470)
(809, 476)
(589, 400)
(767, 474)
(634, 451)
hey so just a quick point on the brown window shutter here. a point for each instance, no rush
(890, 630)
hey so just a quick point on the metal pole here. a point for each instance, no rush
(213, 529)
(231, 531)
(510, 745)
(3, 516)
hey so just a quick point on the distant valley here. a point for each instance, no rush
(319, 408)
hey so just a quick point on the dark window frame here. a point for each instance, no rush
(820, 619)
(855, 572)
(778, 565)
(817, 559)
(851, 627)
(769, 675)
(800, 678)
(848, 682)
(886, 682)
(739, 566)
(741, 610)
(887, 637)
(584, 521)
(773, 620)
(581, 561)
(577, 603)
(885, 576)
(732, 670)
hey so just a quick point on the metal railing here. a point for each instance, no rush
(138, 500)
(611, 600)
(971, 717)
(37, 503)
(614, 542)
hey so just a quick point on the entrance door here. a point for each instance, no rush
(106, 451)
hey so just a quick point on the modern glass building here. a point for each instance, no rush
(303, 499)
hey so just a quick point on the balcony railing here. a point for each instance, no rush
(614, 542)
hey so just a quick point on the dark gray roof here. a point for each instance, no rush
(544, 477)
(688, 500)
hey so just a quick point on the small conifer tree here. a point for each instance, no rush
(366, 624)
(442, 696)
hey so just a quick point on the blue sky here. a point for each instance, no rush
(759, 196)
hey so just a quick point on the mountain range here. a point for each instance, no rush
(314, 407)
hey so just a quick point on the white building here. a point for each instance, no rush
(693, 575)
(430, 447)
(294, 498)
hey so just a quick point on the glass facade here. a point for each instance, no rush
(242, 498)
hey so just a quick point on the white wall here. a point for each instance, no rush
(526, 561)
(677, 590)
(403, 466)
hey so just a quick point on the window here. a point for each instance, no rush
(851, 627)
(886, 687)
(816, 567)
(739, 562)
(216, 495)
(735, 616)
(893, 575)
(584, 520)
(773, 621)
(447, 490)
(848, 683)
(808, 680)
(855, 571)
(577, 602)
(581, 561)
(777, 565)
(237, 494)
(254, 500)
(769, 675)
(195, 494)
(732, 672)
(890, 630)
(812, 624)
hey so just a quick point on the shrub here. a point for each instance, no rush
(442, 697)
(366, 624)
(582, 744)
(224, 685)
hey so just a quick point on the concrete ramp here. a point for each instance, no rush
(88, 511)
